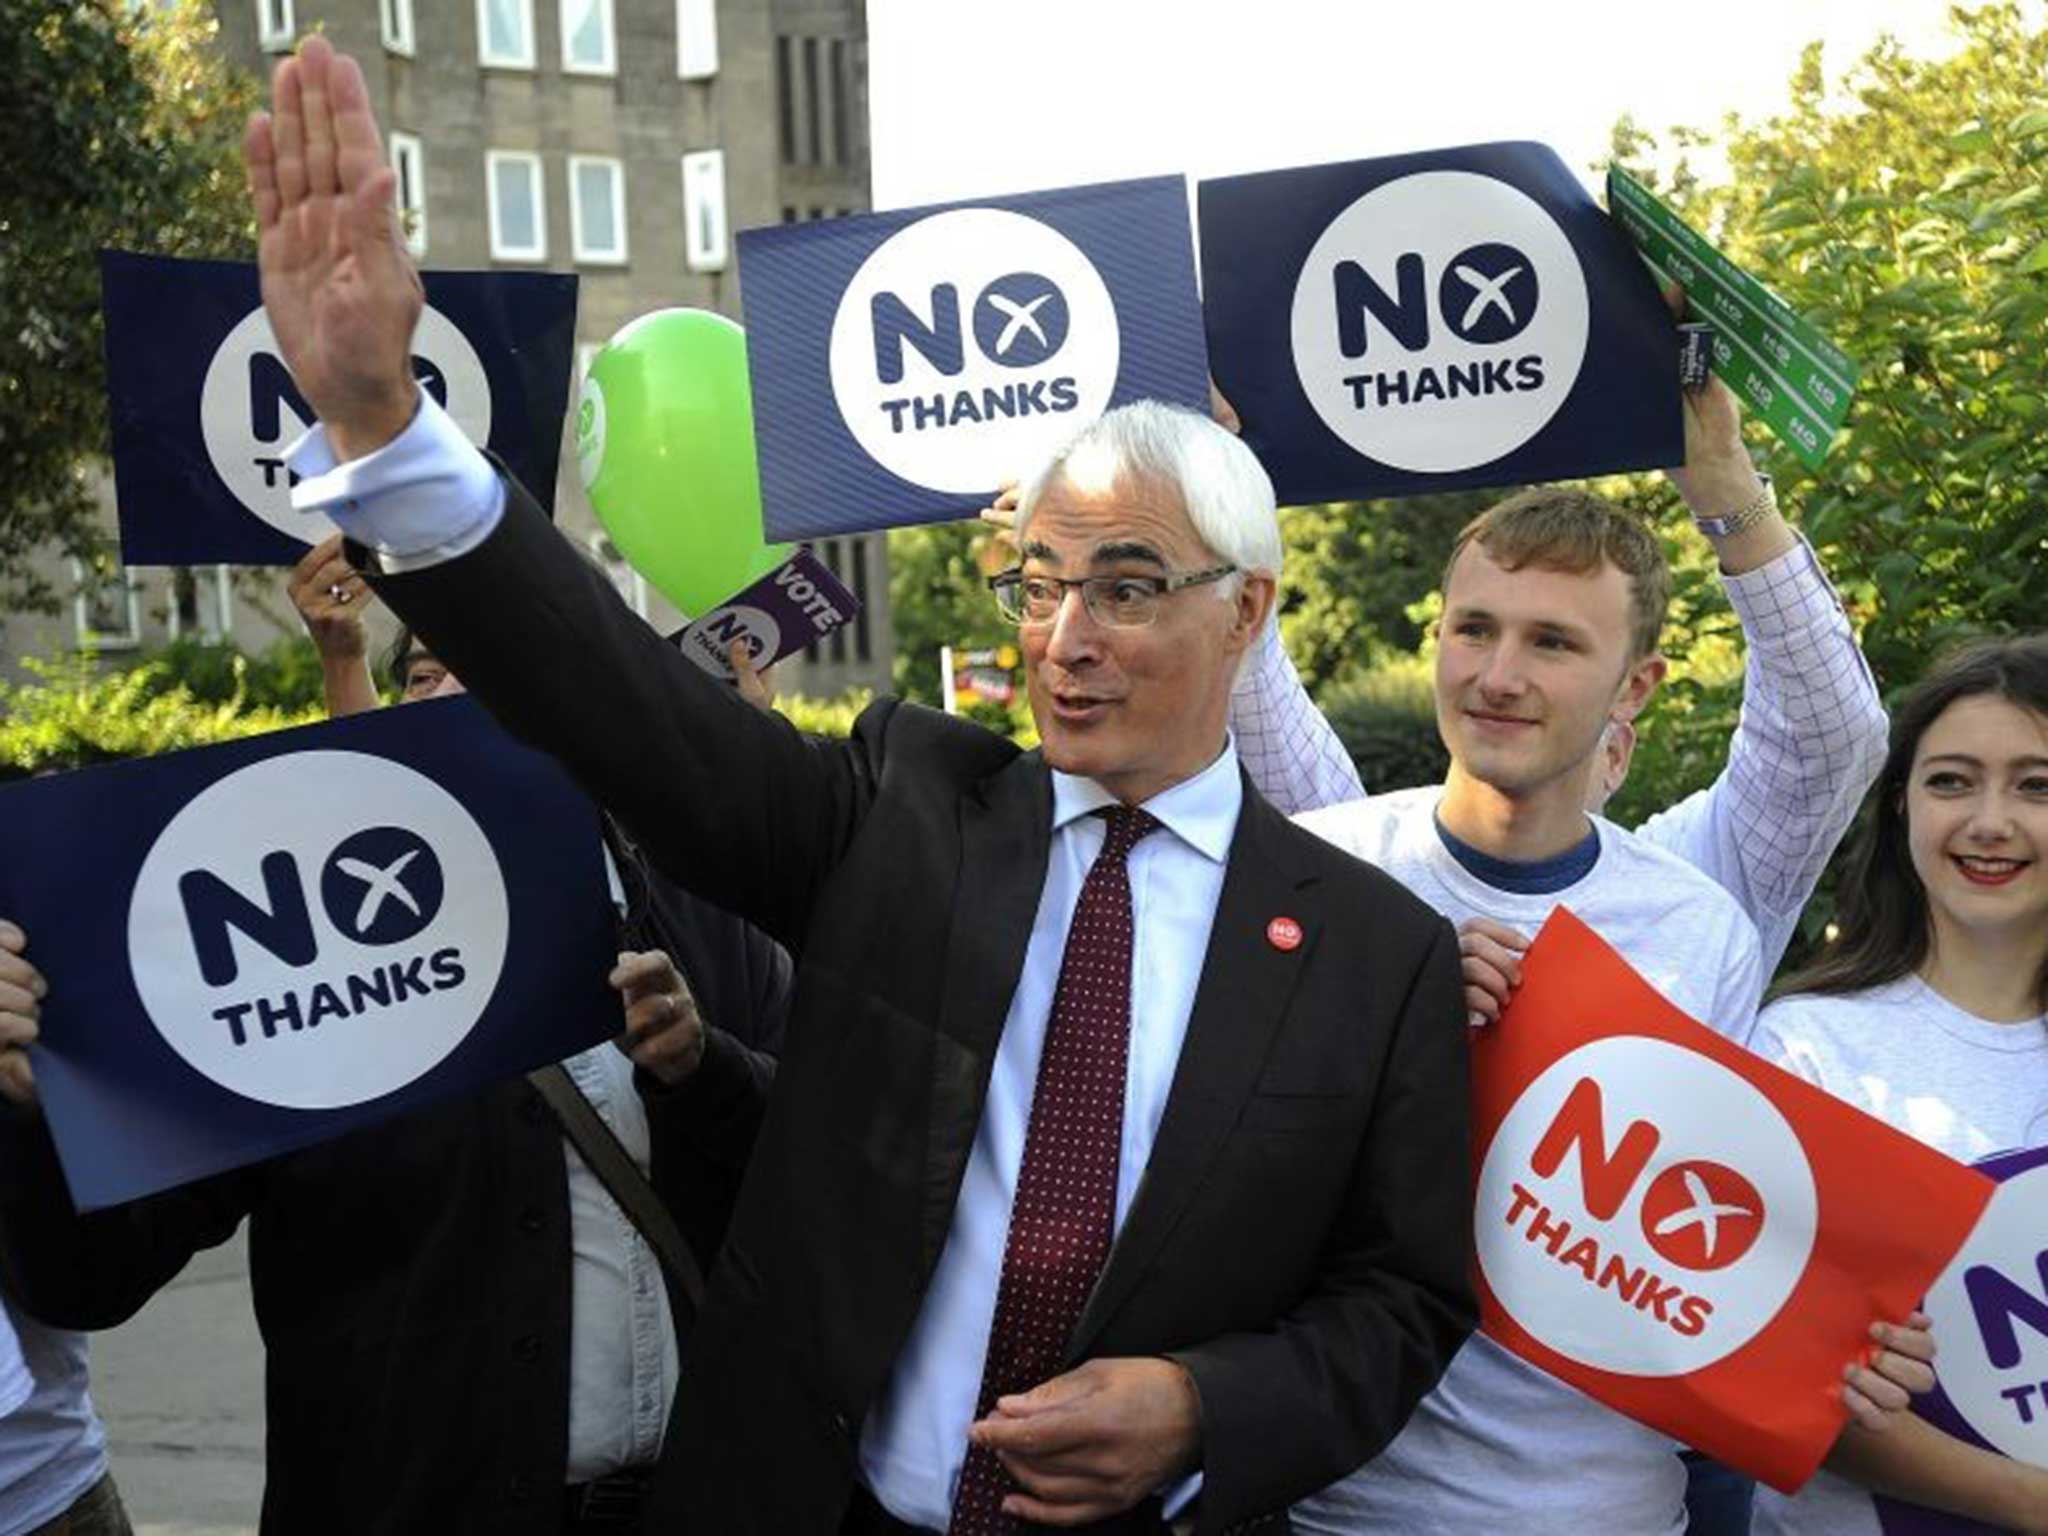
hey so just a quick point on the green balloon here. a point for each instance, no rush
(665, 443)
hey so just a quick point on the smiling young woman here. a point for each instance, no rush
(1930, 1009)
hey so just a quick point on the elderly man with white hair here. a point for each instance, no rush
(1115, 1173)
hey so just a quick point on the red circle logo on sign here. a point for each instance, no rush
(1702, 1215)
(1283, 933)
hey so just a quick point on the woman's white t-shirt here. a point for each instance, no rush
(1961, 1084)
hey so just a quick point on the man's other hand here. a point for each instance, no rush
(338, 286)
(22, 990)
(664, 1033)
(1096, 1441)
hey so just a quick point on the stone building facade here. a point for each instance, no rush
(623, 140)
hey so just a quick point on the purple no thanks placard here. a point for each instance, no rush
(1990, 1311)
(795, 605)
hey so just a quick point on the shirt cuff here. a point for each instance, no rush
(1179, 1496)
(1787, 595)
(426, 496)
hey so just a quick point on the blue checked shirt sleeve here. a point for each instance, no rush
(1293, 757)
(1810, 740)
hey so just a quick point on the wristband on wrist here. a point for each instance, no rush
(1751, 512)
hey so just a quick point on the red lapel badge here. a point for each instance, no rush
(1284, 933)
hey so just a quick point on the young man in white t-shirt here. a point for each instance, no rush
(1554, 601)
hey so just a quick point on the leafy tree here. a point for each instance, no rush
(122, 129)
(1906, 214)
(1354, 572)
(938, 596)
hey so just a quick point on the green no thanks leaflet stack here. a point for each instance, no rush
(1797, 380)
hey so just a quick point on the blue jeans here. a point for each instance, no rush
(1717, 1498)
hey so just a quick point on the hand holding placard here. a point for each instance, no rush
(1796, 379)
(21, 991)
(1684, 1232)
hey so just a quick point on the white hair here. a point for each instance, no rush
(1226, 490)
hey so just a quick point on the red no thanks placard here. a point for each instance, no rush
(1681, 1230)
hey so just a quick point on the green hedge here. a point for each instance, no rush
(73, 715)
(1386, 719)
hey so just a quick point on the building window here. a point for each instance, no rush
(696, 39)
(412, 191)
(397, 16)
(519, 221)
(106, 606)
(861, 647)
(788, 214)
(504, 33)
(587, 38)
(597, 210)
(704, 241)
(785, 99)
(275, 31)
(811, 99)
(202, 601)
(837, 55)
(835, 562)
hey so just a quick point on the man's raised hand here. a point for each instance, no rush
(340, 291)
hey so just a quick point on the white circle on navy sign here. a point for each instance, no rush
(1031, 310)
(247, 423)
(716, 631)
(393, 871)
(1499, 283)
(1701, 1111)
(2011, 1242)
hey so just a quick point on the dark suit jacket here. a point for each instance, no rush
(411, 1281)
(1301, 1238)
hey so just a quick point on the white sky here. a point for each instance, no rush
(972, 98)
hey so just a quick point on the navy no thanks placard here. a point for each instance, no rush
(1432, 322)
(906, 364)
(259, 946)
(203, 408)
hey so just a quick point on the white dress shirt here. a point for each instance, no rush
(428, 496)
(1810, 742)
(623, 1361)
(915, 1437)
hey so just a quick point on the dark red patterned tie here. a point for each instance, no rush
(1065, 1211)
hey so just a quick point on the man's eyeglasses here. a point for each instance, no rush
(1120, 602)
